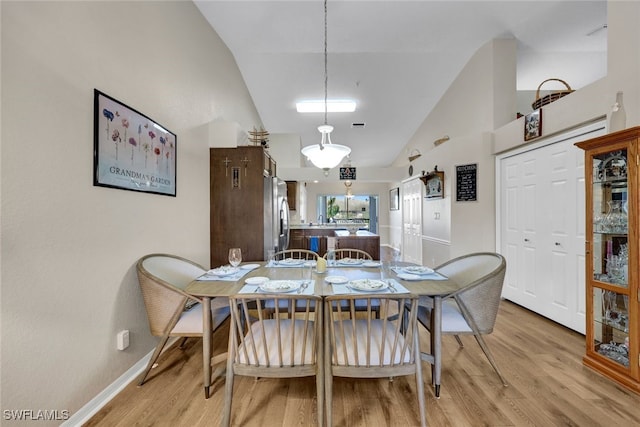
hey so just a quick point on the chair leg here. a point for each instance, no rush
(320, 395)
(419, 381)
(459, 341)
(487, 353)
(228, 392)
(328, 390)
(328, 373)
(183, 342)
(154, 358)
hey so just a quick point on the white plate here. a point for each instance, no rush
(350, 261)
(223, 271)
(368, 285)
(249, 266)
(371, 264)
(417, 270)
(336, 279)
(279, 286)
(291, 261)
(257, 280)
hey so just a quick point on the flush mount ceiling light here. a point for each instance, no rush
(332, 106)
(325, 155)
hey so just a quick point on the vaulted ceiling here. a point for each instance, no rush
(394, 58)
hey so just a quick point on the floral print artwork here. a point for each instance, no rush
(146, 138)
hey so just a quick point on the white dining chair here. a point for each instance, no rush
(172, 312)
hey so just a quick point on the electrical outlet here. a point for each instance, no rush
(122, 339)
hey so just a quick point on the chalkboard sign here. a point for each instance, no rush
(467, 183)
(348, 172)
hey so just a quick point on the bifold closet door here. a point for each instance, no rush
(542, 231)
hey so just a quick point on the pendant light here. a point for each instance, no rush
(325, 155)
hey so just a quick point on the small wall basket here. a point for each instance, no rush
(554, 96)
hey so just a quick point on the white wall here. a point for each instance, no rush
(481, 97)
(594, 101)
(476, 113)
(69, 248)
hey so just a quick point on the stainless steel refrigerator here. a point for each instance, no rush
(276, 214)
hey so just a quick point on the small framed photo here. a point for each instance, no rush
(131, 151)
(533, 125)
(394, 199)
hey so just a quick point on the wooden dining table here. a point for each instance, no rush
(437, 289)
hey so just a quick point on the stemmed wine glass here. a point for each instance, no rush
(235, 256)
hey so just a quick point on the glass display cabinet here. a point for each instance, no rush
(612, 255)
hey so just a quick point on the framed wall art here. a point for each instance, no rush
(533, 125)
(131, 151)
(394, 199)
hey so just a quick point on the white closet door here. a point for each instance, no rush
(412, 221)
(541, 205)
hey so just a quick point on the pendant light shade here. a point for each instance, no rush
(325, 155)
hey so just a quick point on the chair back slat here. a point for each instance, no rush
(349, 253)
(359, 339)
(287, 338)
(296, 254)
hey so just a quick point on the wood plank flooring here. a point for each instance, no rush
(542, 361)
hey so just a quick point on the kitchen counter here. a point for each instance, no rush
(316, 227)
(359, 233)
(316, 237)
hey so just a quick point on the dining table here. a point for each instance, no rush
(435, 286)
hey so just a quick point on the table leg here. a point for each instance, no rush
(206, 344)
(436, 330)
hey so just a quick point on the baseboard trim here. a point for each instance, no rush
(92, 407)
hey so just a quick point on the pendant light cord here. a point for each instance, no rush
(326, 74)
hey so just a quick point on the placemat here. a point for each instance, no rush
(251, 289)
(342, 289)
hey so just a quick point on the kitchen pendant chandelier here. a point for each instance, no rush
(325, 155)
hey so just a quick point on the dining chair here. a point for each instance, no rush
(170, 310)
(360, 345)
(296, 254)
(354, 254)
(349, 253)
(472, 309)
(286, 345)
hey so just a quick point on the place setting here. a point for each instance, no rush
(291, 262)
(342, 285)
(232, 272)
(260, 284)
(417, 272)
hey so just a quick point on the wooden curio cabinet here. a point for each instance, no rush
(613, 255)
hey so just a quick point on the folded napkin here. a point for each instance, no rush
(209, 276)
(342, 289)
(251, 289)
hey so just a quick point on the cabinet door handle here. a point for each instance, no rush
(526, 240)
(557, 243)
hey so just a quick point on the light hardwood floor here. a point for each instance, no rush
(540, 359)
